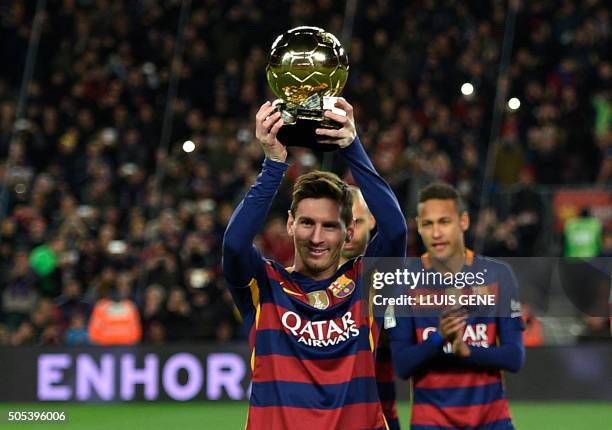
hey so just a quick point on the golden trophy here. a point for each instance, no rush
(307, 69)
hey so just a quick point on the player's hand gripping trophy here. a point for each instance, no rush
(307, 69)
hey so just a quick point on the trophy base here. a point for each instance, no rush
(300, 125)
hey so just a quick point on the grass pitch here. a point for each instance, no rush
(232, 415)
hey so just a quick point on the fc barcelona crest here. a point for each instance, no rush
(342, 287)
(318, 299)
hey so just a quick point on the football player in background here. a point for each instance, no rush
(455, 361)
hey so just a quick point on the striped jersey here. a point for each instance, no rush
(452, 393)
(312, 346)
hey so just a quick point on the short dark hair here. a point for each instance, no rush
(317, 185)
(442, 191)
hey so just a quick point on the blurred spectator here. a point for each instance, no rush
(71, 303)
(224, 332)
(509, 160)
(583, 236)
(153, 313)
(44, 260)
(205, 316)
(500, 239)
(47, 322)
(177, 319)
(527, 209)
(604, 178)
(156, 333)
(24, 335)
(76, 334)
(124, 286)
(115, 321)
(533, 334)
(19, 293)
(606, 245)
(161, 266)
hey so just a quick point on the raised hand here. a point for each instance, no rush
(344, 136)
(267, 124)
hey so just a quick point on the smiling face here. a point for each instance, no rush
(319, 234)
(441, 227)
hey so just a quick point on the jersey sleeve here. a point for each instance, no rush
(508, 355)
(390, 239)
(509, 307)
(408, 355)
(242, 262)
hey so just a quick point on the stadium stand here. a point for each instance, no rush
(92, 202)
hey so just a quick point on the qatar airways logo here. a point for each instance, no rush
(474, 335)
(320, 333)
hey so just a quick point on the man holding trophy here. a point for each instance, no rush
(311, 338)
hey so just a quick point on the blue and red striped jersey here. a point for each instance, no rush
(312, 346)
(452, 393)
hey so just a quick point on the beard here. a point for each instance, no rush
(317, 265)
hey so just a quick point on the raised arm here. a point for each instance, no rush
(390, 239)
(241, 260)
(240, 257)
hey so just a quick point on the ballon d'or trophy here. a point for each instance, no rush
(307, 69)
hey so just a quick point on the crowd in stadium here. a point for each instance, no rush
(96, 212)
